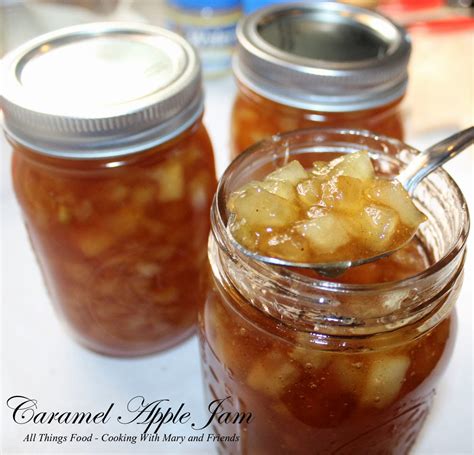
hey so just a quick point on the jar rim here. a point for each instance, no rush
(218, 212)
(359, 59)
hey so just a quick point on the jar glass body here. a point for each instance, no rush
(120, 241)
(341, 366)
(255, 118)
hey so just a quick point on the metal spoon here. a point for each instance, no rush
(421, 166)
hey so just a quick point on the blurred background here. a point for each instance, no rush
(208, 24)
(442, 33)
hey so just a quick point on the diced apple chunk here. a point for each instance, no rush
(280, 188)
(199, 189)
(94, 242)
(288, 247)
(83, 211)
(320, 168)
(392, 194)
(287, 123)
(244, 233)
(142, 195)
(309, 191)
(379, 225)
(272, 374)
(384, 380)
(64, 215)
(351, 372)
(122, 222)
(325, 233)
(311, 358)
(258, 207)
(356, 164)
(247, 115)
(343, 193)
(293, 173)
(170, 178)
(118, 193)
(167, 296)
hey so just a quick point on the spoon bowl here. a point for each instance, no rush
(420, 167)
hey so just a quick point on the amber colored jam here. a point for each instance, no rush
(255, 118)
(331, 212)
(312, 401)
(120, 241)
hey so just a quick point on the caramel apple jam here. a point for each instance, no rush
(342, 366)
(336, 211)
(325, 64)
(255, 118)
(114, 173)
(121, 246)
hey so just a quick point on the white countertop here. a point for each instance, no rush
(40, 361)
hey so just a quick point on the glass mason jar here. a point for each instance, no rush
(114, 173)
(343, 366)
(317, 64)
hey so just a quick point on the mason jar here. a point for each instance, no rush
(346, 365)
(114, 173)
(326, 64)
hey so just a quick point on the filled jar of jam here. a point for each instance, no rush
(313, 64)
(342, 365)
(114, 173)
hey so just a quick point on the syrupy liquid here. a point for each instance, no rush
(255, 118)
(121, 241)
(331, 212)
(306, 399)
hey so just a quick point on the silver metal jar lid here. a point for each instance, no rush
(100, 90)
(326, 56)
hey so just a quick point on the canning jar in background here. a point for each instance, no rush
(114, 173)
(317, 64)
(341, 366)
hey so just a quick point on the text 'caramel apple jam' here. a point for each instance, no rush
(114, 173)
(341, 366)
(315, 64)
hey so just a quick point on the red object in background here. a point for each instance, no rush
(391, 6)
(450, 24)
(429, 15)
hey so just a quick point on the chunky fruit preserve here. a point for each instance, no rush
(305, 399)
(346, 365)
(322, 64)
(121, 242)
(255, 118)
(336, 211)
(114, 174)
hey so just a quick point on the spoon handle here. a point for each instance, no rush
(434, 157)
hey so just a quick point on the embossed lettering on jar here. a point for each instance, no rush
(347, 366)
(114, 172)
(318, 64)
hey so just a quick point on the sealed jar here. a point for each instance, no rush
(313, 64)
(342, 366)
(114, 173)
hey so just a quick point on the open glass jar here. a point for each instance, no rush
(114, 173)
(313, 64)
(340, 366)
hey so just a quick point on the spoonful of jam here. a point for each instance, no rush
(334, 215)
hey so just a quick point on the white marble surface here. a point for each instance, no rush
(40, 361)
